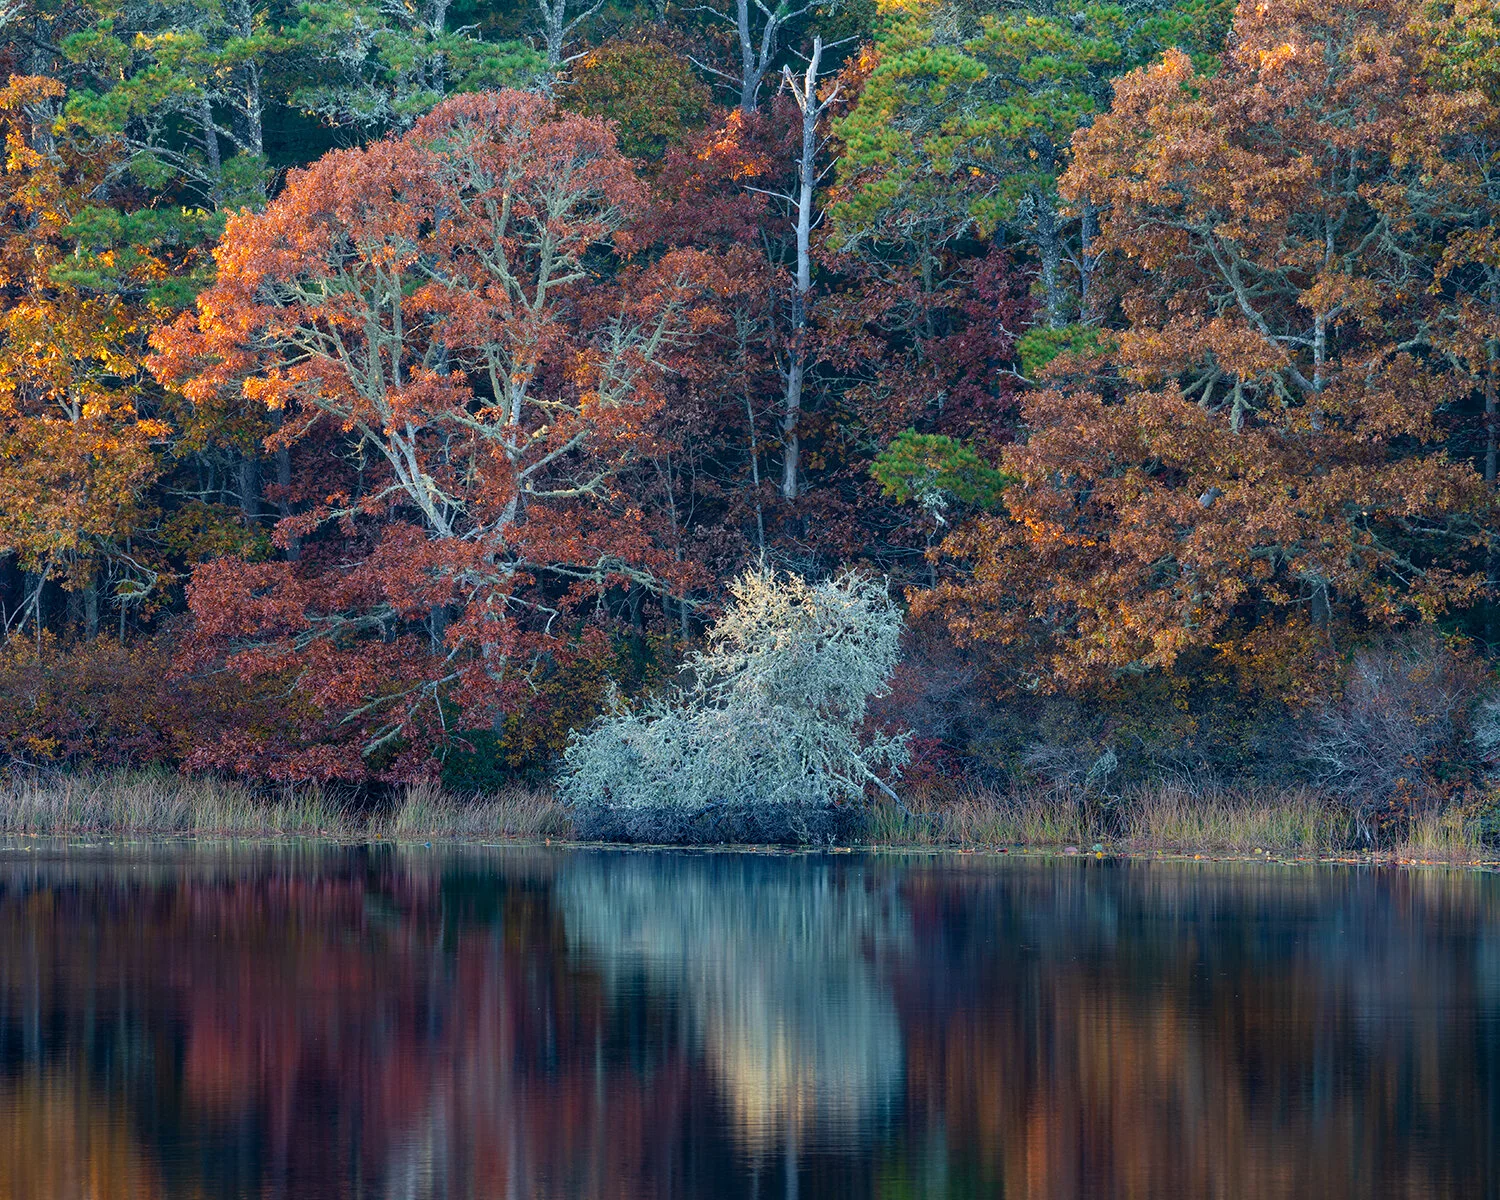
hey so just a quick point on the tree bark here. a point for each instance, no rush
(797, 359)
(1491, 469)
(250, 490)
(1050, 249)
(284, 490)
(91, 609)
(209, 132)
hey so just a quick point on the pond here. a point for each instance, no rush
(324, 1022)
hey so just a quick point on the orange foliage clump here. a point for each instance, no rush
(1263, 444)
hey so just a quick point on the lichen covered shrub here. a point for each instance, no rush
(767, 739)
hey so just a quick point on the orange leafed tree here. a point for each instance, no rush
(445, 318)
(1259, 453)
(77, 454)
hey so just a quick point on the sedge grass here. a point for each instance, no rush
(158, 803)
(1287, 820)
(988, 817)
(1163, 818)
(1446, 836)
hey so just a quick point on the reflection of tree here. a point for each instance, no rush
(59, 1142)
(1199, 1030)
(345, 1024)
(286, 1024)
(774, 962)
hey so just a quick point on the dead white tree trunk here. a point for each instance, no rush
(812, 107)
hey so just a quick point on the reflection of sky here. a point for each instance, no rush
(775, 960)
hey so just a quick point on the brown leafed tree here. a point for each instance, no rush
(1260, 448)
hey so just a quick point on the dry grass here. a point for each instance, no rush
(1289, 820)
(987, 817)
(426, 812)
(1163, 818)
(1449, 836)
(162, 804)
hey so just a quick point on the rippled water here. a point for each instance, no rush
(295, 1022)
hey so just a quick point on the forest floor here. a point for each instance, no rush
(1275, 824)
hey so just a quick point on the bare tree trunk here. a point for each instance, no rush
(1491, 403)
(752, 66)
(91, 609)
(557, 29)
(284, 490)
(251, 101)
(209, 132)
(1088, 261)
(682, 604)
(760, 520)
(812, 108)
(1049, 241)
(756, 57)
(250, 489)
(791, 442)
(33, 587)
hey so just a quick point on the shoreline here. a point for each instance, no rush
(1253, 824)
(119, 838)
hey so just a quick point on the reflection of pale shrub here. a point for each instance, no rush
(776, 967)
(772, 720)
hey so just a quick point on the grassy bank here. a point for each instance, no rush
(1170, 819)
(165, 805)
(1160, 819)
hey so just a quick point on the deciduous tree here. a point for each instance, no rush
(78, 446)
(443, 306)
(966, 123)
(1264, 447)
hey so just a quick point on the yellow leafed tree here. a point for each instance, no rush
(77, 453)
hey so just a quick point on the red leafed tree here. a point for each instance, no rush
(448, 311)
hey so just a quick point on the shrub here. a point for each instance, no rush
(767, 737)
(1400, 725)
(94, 703)
(1487, 735)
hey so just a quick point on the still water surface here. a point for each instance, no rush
(209, 1022)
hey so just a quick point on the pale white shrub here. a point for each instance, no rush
(773, 712)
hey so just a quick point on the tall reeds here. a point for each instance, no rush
(159, 803)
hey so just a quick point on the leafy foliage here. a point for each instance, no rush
(965, 124)
(488, 400)
(935, 470)
(422, 371)
(390, 64)
(1265, 447)
(650, 92)
(78, 448)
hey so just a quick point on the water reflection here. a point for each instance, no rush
(779, 966)
(193, 1022)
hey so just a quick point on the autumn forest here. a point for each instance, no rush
(389, 389)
